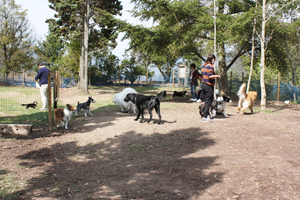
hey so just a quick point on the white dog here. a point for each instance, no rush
(125, 106)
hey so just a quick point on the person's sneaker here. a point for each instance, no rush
(194, 100)
(191, 99)
(199, 101)
(207, 119)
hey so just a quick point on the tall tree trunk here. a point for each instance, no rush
(223, 71)
(252, 54)
(84, 54)
(81, 62)
(293, 69)
(263, 101)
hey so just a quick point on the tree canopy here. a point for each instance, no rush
(16, 41)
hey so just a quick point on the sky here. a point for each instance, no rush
(38, 11)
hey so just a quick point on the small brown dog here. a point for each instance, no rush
(63, 115)
(246, 100)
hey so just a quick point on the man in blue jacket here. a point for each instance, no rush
(42, 76)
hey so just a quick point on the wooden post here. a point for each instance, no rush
(49, 102)
(230, 81)
(173, 78)
(56, 85)
(278, 87)
(242, 77)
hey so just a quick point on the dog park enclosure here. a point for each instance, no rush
(111, 156)
(13, 93)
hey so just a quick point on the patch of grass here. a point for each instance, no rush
(12, 111)
(56, 189)
(7, 183)
(268, 111)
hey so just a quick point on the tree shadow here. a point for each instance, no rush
(129, 166)
(100, 119)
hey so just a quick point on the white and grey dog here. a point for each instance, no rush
(125, 106)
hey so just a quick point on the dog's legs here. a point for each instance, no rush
(251, 108)
(224, 112)
(142, 113)
(138, 115)
(240, 104)
(213, 112)
(66, 126)
(75, 112)
(85, 113)
(157, 109)
(242, 111)
(150, 112)
(56, 121)
(90, 112)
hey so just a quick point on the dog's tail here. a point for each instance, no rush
(77, 102)
(242, 91)
(55, 103)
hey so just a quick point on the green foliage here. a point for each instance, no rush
(68, 21)
(16, 42)
(103, 67)
(131, 70)
(68, 64)
(51, 49)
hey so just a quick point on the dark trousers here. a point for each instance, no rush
(208, 92)
(200, 95)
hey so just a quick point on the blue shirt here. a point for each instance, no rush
(43, 75)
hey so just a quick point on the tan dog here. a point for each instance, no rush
(246, 100)
(63, 115)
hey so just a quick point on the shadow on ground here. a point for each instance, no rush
(159, 166)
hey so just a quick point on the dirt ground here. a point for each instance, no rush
(111, 156)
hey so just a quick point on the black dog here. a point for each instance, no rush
(179, 94)
(85, 106)
(30, 105)
(217, 106)
(146, 102)
(201, 109)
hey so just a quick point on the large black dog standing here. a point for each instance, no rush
(146, 102)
